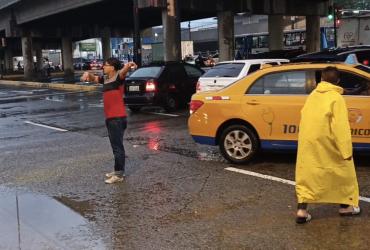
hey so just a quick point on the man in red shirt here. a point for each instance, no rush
(114, 110)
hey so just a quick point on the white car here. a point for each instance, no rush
(225, 73)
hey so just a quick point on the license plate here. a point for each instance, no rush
(134, 88)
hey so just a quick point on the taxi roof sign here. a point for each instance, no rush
(351, 59)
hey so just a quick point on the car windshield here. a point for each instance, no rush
(225, 70)
(363, 68)
(147, 72)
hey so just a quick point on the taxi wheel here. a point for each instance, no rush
(238, 144)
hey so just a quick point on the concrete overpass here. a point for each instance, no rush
(27, 26)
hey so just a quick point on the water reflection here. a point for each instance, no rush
(31, 221)
(157, 144)
(153, 144)
(153, 127)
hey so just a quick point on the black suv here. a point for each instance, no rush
(337, 55)
(169, 84)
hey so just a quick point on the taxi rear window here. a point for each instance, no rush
(147, 72)
(291, 82)
(225, 70)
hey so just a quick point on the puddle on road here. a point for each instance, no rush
(157, 144)
(33, 221)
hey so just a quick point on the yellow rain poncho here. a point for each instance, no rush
(323, 172)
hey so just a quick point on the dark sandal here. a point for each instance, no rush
(302, 220)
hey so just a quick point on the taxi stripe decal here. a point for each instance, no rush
(276, 144)
(292, 145)
(281, 145)
(204, 140)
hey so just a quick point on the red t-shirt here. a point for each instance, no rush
(114, 106)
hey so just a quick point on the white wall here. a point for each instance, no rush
(99, 50)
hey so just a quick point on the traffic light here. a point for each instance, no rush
(330, 12)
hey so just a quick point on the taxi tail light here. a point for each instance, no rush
(366, 62)
(151, 86)
(198, 89)
(195, 105)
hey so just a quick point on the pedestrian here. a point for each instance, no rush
(19, 66)
(114, 109)
(325, 172)
(238, 55)
(47, 67)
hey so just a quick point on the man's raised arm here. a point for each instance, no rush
(128, 66)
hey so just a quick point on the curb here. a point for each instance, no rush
(58, 86)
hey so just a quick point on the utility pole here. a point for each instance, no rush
(335, 24)
(333, 15)
(136, 35)
(189, 26)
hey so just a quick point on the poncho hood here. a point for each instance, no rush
(323, 87)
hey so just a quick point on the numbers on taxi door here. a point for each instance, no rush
(290, 129)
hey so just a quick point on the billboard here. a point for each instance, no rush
(88, 47)
(354, 31)
(348, 32)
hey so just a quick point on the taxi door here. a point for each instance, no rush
(273, 106)
(357, 96)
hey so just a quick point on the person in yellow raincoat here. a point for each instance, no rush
(325, 172)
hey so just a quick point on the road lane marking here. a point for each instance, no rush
(155, 113)
(273, 178)
(96, 105)
(52, 100)
(45, 126)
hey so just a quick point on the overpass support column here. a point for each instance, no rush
(312, 33)
(39, 58)
(171, 31)
(27, 57)
(67, 58)
(226, 35)
(106, 44)
(276, 32)
(8, 60)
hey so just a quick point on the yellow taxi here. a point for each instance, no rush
(262, 111)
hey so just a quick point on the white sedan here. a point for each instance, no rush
(225, 73)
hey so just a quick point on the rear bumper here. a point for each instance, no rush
(141, 100)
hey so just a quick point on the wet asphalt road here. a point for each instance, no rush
(177, 194)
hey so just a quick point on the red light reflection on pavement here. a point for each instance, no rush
(153, 144)
(152, 127)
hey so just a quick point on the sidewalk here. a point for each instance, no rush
(58, 86)
(56, 83)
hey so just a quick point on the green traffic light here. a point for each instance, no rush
(330, 17)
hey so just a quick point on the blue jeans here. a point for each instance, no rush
(116, 129)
